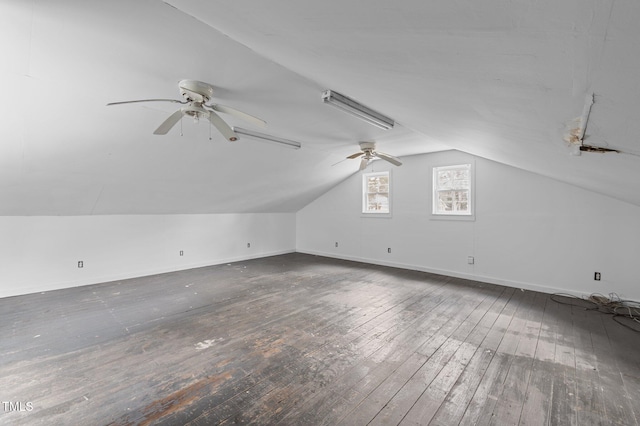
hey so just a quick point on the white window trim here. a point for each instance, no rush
(472, 194)
(363, 194)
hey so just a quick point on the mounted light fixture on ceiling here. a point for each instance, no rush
(268, 138)
(357, 109)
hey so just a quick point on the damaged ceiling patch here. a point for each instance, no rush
(577, 127)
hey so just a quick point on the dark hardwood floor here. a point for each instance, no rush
(305, 340)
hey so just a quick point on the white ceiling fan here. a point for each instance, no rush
(196, 94)
(368, 152)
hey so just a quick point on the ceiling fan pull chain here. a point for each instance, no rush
(181, 127)
(209, 130)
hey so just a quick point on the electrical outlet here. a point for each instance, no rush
(596, 276)
(336, 244)
(389, 250)
(248, 245)
(80, 264)
(181, 252)
(470, 260)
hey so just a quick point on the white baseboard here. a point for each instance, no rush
(175, 268)
(59, 285)
(456, 274)
(142, 273)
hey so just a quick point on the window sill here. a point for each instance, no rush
(453, 217)
(376, 215)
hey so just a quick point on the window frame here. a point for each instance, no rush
(470, 216)
(364, 193)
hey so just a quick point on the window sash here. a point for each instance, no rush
(453, 201)
(452, 190)
(376, 196)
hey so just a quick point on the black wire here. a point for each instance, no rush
(572, 297)
(611, 305)
(635, 328)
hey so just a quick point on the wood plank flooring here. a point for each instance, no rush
(305, 340)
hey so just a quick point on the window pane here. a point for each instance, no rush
(378, 184)
(461, 201)
(445, 201)
(453, 179)
(460, 179)
(444, 179)
(378, 203)
(453, 201)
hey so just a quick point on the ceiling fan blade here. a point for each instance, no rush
(364, 163)
(237, 113)
(222, 127)
(146, 100)
(356, 155)
(164, 128)
(389, 158)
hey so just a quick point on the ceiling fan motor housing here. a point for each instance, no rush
(195, 91)
(367, 146)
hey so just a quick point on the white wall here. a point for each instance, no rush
(530, 231)
(40, 253)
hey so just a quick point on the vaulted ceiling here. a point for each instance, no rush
(504, 80)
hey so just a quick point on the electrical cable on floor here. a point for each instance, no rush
(624, 312)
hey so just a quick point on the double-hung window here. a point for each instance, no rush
(376, 195)
(452, 191)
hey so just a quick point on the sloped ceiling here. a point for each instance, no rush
(498, 79)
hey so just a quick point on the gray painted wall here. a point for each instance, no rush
(41, 253)
(529, 231)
